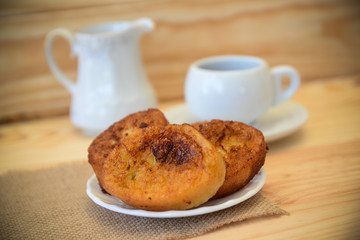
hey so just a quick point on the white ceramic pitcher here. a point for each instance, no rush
(111, 80)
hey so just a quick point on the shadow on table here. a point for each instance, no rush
(287, 143)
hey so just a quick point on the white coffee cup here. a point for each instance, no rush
(234, 87)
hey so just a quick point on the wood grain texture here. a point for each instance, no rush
(314, 174)
(320, 38)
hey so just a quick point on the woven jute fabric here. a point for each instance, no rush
(52, 204)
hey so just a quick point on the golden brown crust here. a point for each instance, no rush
(164, 168)
(242, 147)
(104, 143)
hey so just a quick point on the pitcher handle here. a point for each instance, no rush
(49, 41)
(281, 94)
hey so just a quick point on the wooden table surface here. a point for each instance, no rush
(320, 38)
(314, 174)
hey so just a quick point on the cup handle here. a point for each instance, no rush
(49, 41)
(281, 94)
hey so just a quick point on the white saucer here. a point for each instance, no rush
(277, 123)
(107, 201)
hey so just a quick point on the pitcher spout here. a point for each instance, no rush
(144, 24)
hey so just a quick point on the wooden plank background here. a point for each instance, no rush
(321, 38)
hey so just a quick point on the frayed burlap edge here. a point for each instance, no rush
(52, 204)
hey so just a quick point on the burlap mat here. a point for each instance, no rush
(52, 204)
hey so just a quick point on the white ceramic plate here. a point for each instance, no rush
(277, 123)
(114, 204)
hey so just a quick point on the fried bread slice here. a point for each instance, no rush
(105, 142)
(242, 147)
(164, 168)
